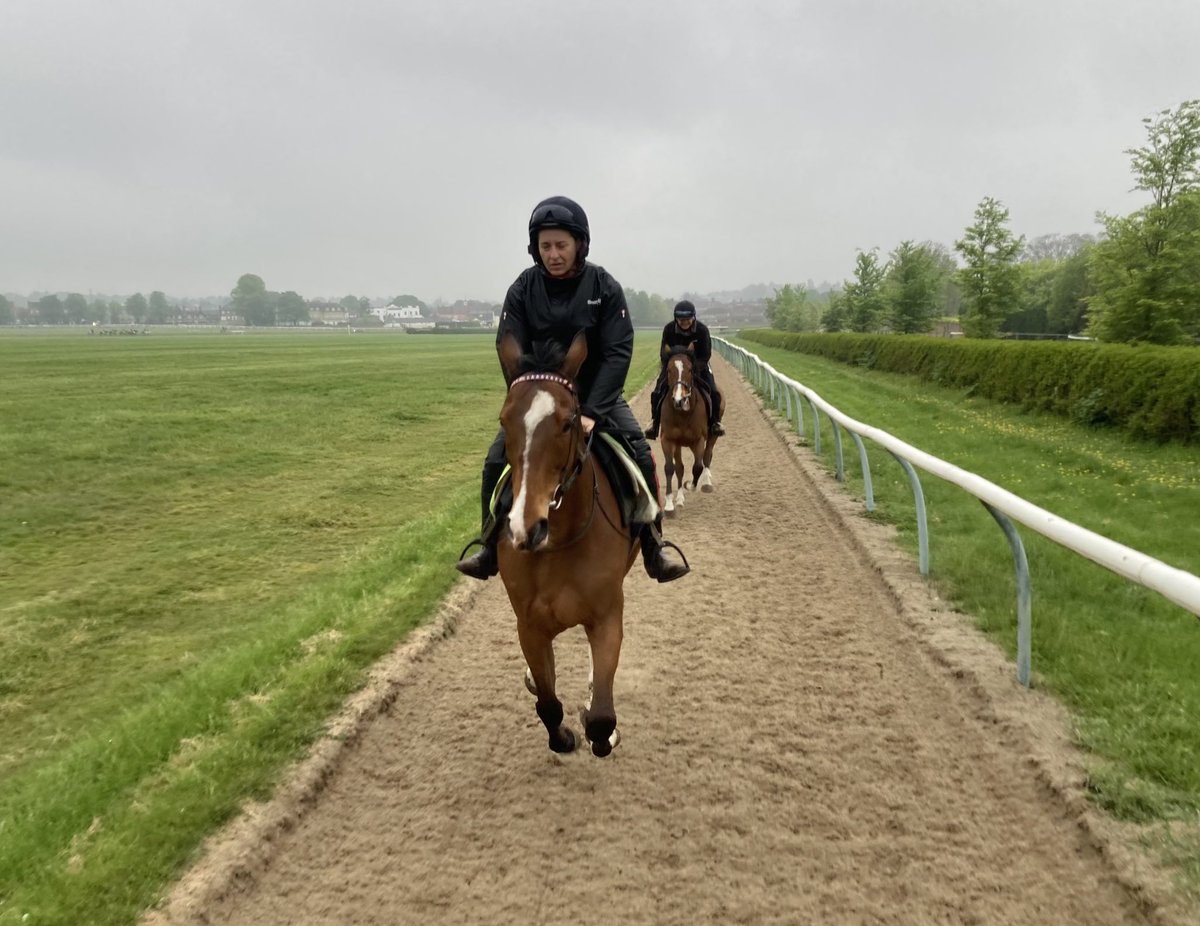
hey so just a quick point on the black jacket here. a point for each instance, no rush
(538, 307)
(674, 336)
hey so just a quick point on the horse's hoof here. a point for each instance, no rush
(669, 512)
(706, 488)
(530, 684)
(602, 748)
(566, 744)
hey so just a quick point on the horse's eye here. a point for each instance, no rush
(566, 427)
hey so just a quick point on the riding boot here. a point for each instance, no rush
(716, 429)
(657, 565)
(652, 432)
(485, 564)
(655, 414)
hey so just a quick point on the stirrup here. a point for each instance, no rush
(651, 432)
(717, 429)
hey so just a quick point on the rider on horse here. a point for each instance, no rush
(557, 297)
(681, 332)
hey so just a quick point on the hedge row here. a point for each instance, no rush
(1152, 392)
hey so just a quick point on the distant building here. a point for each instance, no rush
(402, 316)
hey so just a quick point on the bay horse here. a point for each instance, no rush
(685, 417)
(565, 555)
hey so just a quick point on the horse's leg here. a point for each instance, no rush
(600, 716)
(679, 468)
(538, 648)
(668, 473)
(697, 462)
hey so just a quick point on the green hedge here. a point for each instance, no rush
(1152, 392)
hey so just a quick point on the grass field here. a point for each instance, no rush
(204, 542)
(1122, 658)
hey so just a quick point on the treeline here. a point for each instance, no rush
(1138, 282)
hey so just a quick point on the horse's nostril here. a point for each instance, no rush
(538, 535)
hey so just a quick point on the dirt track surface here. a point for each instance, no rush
(807, 738)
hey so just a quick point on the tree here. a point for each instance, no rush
(291, 308)
(50, 310)
(990, 279)
(8, 315)
(350, 304)
(835, 316)
(863, 296)
(136, 307)
(911, 289)
(790, 310)
(98, 310)
(252, 301)
(1066, 312)
(1147, 270)
(158, 309)
(75, 308)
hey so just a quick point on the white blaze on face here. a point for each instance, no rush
(679, 384)
(541, 408)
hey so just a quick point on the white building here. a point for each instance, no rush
(404, 316)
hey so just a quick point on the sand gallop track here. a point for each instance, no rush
(801, 744)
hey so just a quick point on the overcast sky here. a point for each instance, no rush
(380, 147)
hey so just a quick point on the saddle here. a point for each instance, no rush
(613, 453)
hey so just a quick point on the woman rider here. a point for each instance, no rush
(552, 300)
(686, 330)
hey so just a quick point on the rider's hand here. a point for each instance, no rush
(588, 424)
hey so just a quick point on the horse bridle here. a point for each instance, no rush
(583, 451)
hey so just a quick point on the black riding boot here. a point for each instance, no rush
(485, 563)
(652, 431)
(655, 414)
(657, 565)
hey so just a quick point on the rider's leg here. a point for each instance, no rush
(484, 564)
(658, 565)
(714, 419)
(656, 398)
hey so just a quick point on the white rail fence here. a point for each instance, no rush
(1176, 585)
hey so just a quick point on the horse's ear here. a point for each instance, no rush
(510, 355)
(575, 357)
(691, 347)
(666, 350)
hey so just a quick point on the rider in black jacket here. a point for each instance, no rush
(560, 295)
(681, 332)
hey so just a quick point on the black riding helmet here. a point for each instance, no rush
(559, 212)
(685, 309)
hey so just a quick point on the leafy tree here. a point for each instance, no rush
(790, 310)
(136, 307)
(1066, 312)
(252, 301)
(8, 315)
(75, 308)
(291, 308)
(158, 310)
(50, 310)
(115, 310)
(1056, 247)
(911, 289)
(835, 316)
(98, 310)
(350, 304)
(863, 296)
(1147, 270)
(990, 279)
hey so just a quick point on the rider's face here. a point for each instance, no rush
(685, 323)
(557, 248)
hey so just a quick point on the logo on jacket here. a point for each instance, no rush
(594, 301)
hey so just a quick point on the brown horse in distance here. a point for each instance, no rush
(566, 552)
(685, 417)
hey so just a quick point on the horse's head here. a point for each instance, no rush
(680, 372)
(543, 434)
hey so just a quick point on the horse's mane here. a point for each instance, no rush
(543, 357)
